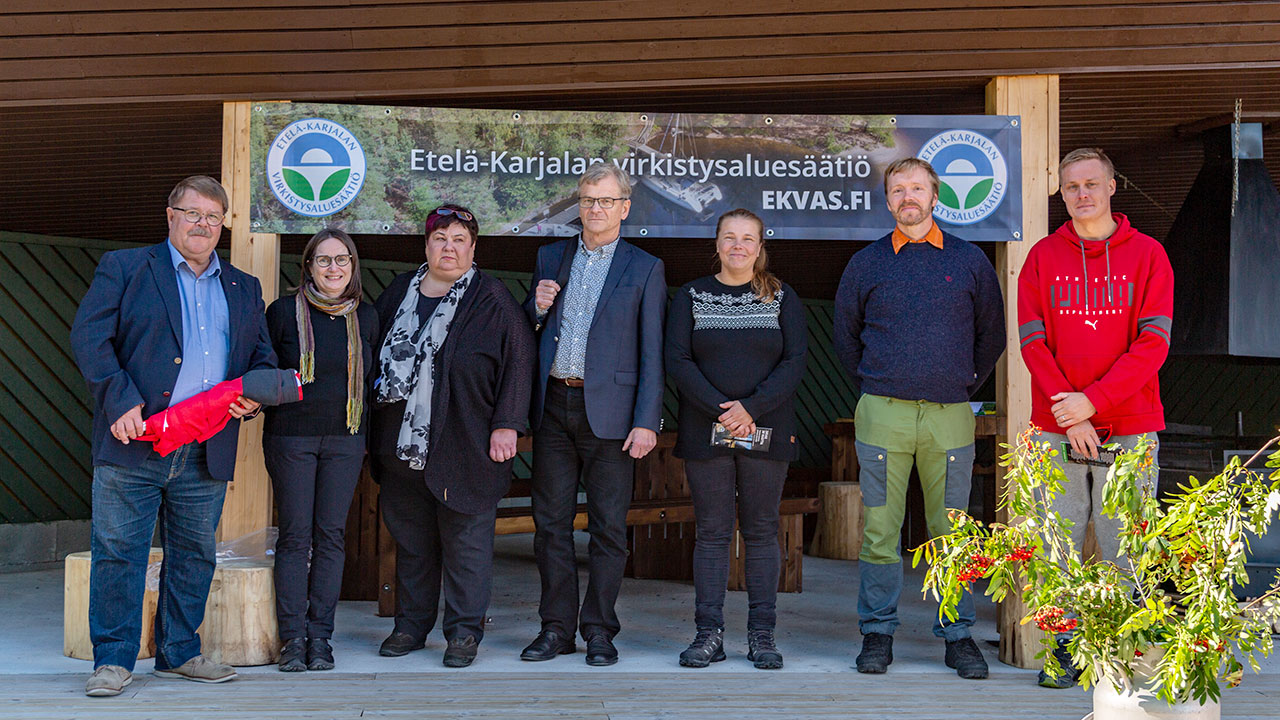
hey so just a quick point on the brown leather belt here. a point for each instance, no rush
(571, 382)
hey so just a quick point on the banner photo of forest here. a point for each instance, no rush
(381, 170)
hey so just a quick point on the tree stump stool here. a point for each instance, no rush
(75, 608)
(839, 532)
(239, 618)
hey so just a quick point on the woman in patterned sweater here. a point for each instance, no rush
(736, 345)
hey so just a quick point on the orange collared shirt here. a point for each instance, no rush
(934, 238)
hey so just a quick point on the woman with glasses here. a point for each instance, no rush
(314, 449)
(455, 369)
(735, 345)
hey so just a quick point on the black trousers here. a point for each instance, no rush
(756, 486)
(436, 548)
(314, 478)
(565, 451)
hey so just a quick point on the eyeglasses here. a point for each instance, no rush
(195, 216)
(460, 214)
(605, 202)
(324, 260)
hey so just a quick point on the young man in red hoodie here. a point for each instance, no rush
(1095, 308)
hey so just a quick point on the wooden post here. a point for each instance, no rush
(1034, 98)
(248, 504)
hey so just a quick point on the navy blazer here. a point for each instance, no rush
(624, 382)
(127, 342)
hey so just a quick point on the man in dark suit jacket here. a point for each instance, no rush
(158, 325)
(598, 303)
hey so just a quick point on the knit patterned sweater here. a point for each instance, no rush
(723, 343)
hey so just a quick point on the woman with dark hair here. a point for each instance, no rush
(314, 449)
(455, 371)
(735, 346)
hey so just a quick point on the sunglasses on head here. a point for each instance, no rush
(460, 214)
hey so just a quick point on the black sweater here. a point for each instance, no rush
(484, 376)
(724, 343)
(323, 408)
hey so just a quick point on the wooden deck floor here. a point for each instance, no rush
(577, 695)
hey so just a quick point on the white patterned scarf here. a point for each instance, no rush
(407, 363)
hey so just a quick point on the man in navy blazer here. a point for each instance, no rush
(598, 304)
(158, 325)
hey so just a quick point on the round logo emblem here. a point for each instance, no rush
(973, 172)
(315, 167)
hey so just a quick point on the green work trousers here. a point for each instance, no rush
(892, 435)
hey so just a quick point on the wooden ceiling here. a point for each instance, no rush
(70, 50)
(103, 110)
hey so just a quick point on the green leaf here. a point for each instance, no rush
(298, 184)
(947, 196)
(978, 193)
(334, 183)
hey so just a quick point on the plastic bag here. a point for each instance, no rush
(255, 548)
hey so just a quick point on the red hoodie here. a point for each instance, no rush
(1094, 316)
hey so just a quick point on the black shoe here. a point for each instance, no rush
(600, 650)
(761, 650)
(461, 652)
(292, 655)
(877, 653)
(319, 654)
(547, 646)
(1070, 673)
(966, 658)
(400, 643)
(707, 647)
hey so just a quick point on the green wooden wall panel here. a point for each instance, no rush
(42, 478)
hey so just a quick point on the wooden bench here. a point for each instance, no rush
(660, 532)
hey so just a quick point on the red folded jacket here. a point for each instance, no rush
(197, 418)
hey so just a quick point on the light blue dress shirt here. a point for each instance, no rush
(206, 333)
(586, 279)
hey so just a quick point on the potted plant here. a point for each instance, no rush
(1161, 625)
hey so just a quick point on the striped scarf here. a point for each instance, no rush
(307, 347)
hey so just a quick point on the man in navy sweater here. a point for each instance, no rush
(919, 324)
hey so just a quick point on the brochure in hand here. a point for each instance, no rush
(758, 441)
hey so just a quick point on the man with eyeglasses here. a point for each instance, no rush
(598, 304)
(158, 325)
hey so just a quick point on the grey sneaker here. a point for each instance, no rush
(707, 647)
(761, 650)
(200, 669)
(107, 680)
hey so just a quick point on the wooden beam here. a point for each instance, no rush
(1034, 98)
(247, 508)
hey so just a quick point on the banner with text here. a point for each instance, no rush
(381, 170)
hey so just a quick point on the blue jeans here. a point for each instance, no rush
(179, 491)
(880, 588)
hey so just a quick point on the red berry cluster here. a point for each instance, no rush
(1052, 619)
(1021, 554)
(1202, 645)
(975, 568)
